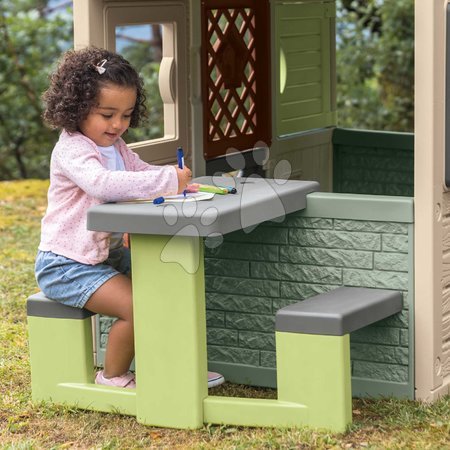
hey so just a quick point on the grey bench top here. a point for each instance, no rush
(257, 200)
(38, 305)
(339, 311)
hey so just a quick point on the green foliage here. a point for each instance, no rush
(30, 41)
(375, 64)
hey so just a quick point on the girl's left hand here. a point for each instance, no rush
(192, 187)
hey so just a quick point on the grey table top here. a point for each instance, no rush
(257, 200)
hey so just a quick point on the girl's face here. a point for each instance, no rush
(110, 118)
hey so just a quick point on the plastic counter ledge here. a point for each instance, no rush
(257, 200)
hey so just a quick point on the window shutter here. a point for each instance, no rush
(304, 42)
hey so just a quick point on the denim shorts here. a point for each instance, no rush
(71, 282)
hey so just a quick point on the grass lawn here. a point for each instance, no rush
(378, 424)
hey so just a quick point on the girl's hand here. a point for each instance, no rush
(184, 176)
(192, 187)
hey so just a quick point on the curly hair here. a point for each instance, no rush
(75, 85)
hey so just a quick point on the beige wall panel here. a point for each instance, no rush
(198, 163)
(446, 205)
(446, 301)
(428, 183)
(445, 280)
(445, 235)
(446, 363)
(446, 331)
(446, 291)
(88, 24)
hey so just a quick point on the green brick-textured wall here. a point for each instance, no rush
(373, 162)
(250, 276)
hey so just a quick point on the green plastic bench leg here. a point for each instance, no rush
(170, 330)
(315, 370)
(61, 351)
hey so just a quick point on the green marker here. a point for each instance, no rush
(212, 189)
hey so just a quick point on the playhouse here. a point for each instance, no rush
(249, 86)
(290, 76)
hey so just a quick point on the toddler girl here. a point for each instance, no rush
(94, 97)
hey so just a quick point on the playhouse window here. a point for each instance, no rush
(152, 38)
(142, 46)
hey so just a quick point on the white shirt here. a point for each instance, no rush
(112, 157)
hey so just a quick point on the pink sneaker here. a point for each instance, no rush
(124, 381)
(215, 379)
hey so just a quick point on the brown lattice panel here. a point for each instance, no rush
(236, 75)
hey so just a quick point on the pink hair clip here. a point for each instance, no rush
(100, 67)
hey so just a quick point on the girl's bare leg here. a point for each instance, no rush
(114, 298)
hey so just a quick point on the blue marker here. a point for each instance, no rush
(180, 158)
(158, 200)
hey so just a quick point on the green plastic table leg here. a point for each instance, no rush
(170, 330)
(315, 370)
